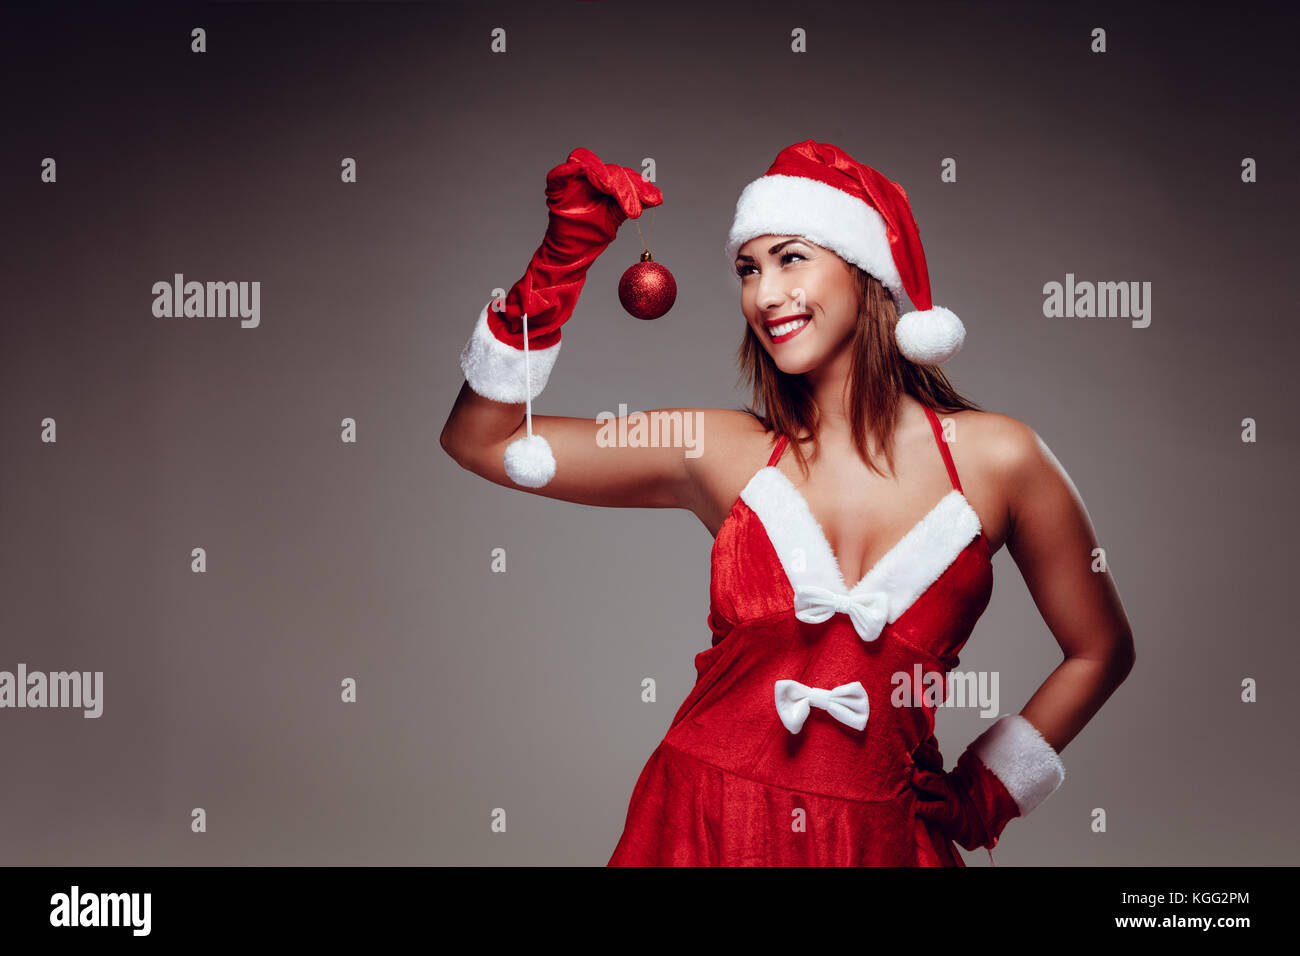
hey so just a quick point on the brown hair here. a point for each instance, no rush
(878, 375)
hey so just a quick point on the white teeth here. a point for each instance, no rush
(779, 330)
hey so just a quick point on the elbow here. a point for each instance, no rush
(1124, 658)
(451, 447)
(462, 453)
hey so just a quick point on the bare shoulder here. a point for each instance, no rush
(733, 446)
(999, 443)
(993, 453)
(1026, 466)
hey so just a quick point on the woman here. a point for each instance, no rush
(797, 744)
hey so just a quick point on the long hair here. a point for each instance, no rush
(878, 376)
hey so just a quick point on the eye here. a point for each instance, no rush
(741, 271)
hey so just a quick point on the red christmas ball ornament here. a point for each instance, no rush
(647, 290)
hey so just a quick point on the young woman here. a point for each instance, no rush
(841, 569)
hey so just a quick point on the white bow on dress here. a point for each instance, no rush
(846, 703)
(868, 611)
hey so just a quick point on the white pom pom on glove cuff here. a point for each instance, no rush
(1016, 753)
(495, 370)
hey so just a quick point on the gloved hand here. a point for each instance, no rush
(587, 200)
(1005, 773)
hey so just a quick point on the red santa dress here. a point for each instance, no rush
(790, 749)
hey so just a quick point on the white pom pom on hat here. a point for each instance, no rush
(930, 337)
(819, 191)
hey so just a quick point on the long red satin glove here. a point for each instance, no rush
(588, 200)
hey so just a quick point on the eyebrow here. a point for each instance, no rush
(773, 251)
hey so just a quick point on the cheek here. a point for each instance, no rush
(842, 304)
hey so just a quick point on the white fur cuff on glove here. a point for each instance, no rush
(1017, 754)
(495, 370)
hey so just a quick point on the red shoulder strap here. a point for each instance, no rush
(943, 447)
(776, 453)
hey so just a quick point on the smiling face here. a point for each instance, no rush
(799, 299)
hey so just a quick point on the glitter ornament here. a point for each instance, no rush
(647, 289)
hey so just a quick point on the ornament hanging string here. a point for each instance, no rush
(645, 245)
(647, 290)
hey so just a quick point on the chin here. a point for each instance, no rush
(794, 364)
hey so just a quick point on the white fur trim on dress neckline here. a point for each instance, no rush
(904, 573)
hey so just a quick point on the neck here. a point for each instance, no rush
(829, 384)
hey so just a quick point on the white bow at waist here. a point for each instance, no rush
(846, 703)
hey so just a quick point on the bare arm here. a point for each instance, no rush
(1052, 541)
(478, 430)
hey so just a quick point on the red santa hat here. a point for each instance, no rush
(818, 191)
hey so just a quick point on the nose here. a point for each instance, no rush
(771, 290)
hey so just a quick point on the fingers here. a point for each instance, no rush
(629, 188)
(649, 192)
(581, 162)
(625, 190)
(639, 194)
(589, 165)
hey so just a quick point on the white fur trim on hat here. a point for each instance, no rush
(1017, 754)
(929, 337)
(782, 205)
(495, 370)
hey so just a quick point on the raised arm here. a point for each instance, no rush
(589, 469)
(587, 200)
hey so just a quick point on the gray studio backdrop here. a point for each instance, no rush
(371, 560)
